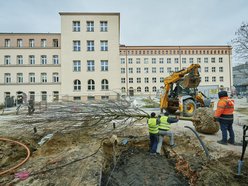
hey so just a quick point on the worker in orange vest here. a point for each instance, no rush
(224, 115)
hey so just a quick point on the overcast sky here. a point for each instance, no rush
(143, 22)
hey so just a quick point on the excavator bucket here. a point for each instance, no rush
(190, 81)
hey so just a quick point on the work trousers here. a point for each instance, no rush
(161, 134)
(153, 142)
(227, 126)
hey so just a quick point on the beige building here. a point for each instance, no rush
(86, 62)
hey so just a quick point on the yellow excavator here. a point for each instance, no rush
(180, 92)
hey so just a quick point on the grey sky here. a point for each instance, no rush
(143, 22)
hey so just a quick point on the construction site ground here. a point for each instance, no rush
(72, 152)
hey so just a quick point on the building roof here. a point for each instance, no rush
(89, 13)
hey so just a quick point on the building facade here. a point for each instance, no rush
(86, 62)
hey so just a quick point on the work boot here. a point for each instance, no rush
(222, 142)
(172, 146)
(231, 142)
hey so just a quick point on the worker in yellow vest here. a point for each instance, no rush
(153, 133)
(164, 130)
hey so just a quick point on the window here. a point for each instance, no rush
(123, 80)
(146, 89)
(220, 60)
(161, 69)
(122, 60)
(90, 46)
(169, 69)
(153, 69)
(43, 59)
(146, 70)
(43, 77)
(105, 85)
(77, 85)
(55, 96)
(130, 60)
(104, 65)
(169, 60)
(175, 60)
(205, 69)
(103, 26)
(90, 26)
(55, 59)
(130, 80)
(76, 45)
(198, 60)
(20, 60)
(130, 70)
(7, 43)
(176, 69)
(153, 60)
(146, 61)
(104, 45)
(213, 69)
(43, 96)
(104, 97)
(191, 60)
(220, 69)
(122, 70)
(161, 60)
(90, 66)
(31, 60)
(19, 78)
(146, 80)
(154, 80)
(31, 77)
(212, 60)
(76, 66)
(91, 98)
(76, 26)
(32, 95)
(213, 79)
(31, 43)
(7, 60)
(19, 43)
(7, 78)
(221, 78)
(55, 77)
(55, 43)
(138, 89)
(138, 80)
(91, 84)
(161, 79)
(137, 60)
(43, 43)
(206, 79)
(154, 89)
(205, 60)
(183, 60)
(138, 70)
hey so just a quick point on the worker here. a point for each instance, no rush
(224, 115)
(164, 130)
(153, 133)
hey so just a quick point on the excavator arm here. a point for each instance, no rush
(192, 80)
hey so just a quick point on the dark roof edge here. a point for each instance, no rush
(89, 13)
(29, 33)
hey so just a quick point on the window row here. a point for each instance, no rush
(32, 43)
(139, 89)
(146, 70)
(214, 79)
(90, 26)
(77, 66)
(170, 60)
(31, 60)
(90, 45)
(91, 85)
(175, 52)
(32, 78)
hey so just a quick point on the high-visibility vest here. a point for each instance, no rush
(225, 107)
(164, 125)
(152, 124)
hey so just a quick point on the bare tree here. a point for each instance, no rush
(240, 42)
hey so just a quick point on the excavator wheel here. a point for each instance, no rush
(189, 108)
